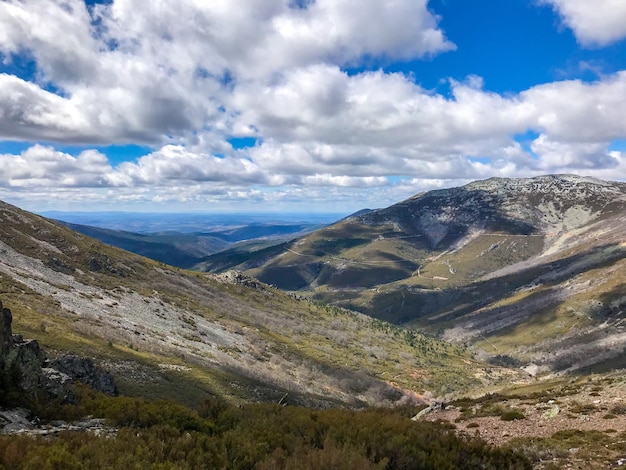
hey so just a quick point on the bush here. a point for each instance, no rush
(166, 435)
(511, 415)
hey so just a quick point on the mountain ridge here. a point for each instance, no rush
(220, 335)
(489, 259)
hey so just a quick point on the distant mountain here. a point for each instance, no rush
(182, 222)
(527, 271)
(188, 249)
(177, 249)
(164, 332)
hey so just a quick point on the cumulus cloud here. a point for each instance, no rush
(175, 163)
(595, 23)
(161, 71)
(41, 166)
(184, 77)
(323, 121)
(577, 111)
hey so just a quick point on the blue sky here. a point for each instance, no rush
(322, 106)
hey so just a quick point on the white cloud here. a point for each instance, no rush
(175, 163)
(345, 181)
(594, 22)
(559, 157)
(577, 111)
(27, 112)
(184, 76)
(322, 103)
(323, 121)
(45, 167)
(161, 71)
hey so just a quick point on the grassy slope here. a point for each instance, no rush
(525, 268)
(172, 330)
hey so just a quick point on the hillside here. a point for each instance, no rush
(529, 272)
(177, 249)
(162, 331)
(188, 249)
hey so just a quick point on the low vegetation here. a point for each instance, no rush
(166, 435)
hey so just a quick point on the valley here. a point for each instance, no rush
(526, 272)
(501, 296)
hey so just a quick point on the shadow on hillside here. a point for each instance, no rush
(480, 294)
(446, 216)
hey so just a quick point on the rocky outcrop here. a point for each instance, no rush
(25, 367)
(82, 369)
(5, 330)
(237, 277)
(22, 421)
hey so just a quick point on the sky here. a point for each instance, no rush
(301, 105)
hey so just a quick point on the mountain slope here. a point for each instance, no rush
(164, 331)
(535, 266)
(177, 249)
(186, 250)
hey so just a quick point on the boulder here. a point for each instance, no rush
(82, 369)
(25, 363)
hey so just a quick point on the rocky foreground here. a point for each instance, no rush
(27, 373)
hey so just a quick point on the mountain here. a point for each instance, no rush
(176, 249)
(167, 332)
(528, 272)
(187, 249)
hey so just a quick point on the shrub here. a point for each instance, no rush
(512, 414)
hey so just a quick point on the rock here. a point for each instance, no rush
(15, 421)
(82, 369)
(56, 384)
(5, 330)
(29, 359)
(436, 406)
(237, 277)
(552, 412)
(24, 366)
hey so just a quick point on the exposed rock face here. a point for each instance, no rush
(5, 330)
(22, 421)
(39, 377)
(82, 369)
(237, 277)
(29, 359)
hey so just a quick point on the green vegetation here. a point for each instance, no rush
(589, 449)
(165, 435)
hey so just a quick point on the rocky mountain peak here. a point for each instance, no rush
(554, 184)
(539, 205)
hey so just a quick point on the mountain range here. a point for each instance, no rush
(525, 272)
(196, 238)
(439, 299)
(166, 332)
(450, 291)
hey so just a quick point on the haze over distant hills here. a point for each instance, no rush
(186, 222)
(185, 239)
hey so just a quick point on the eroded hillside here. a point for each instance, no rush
(527, 271)
(167, 332)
